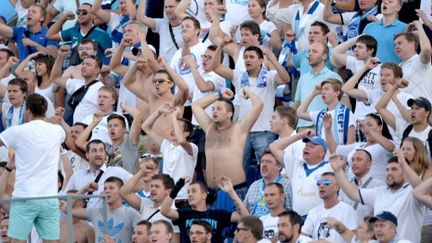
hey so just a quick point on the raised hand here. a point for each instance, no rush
(327, 121)
(69, 15)
(189, 61)
(317, 90)
(63, 51)
(337, 162)
(165, 108)
(227, 94)
(226, 185)
(97, 117)
(12, 61)
(308, 133)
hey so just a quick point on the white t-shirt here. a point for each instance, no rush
(37, 156)
(266, 28)
(418, 75)
(196, 9)
(380, 156)
(371, 81)
(266, 93)
(167, 47)
(186, 73)
(316, 222)
(178, 163)
(294, 150)
(402, 204)
(270, 226)
(88, 105)
(216, 80)
(5, 81)
(47, 92)
(375, 95)
(77, 162)
(304, 187)
(101, 130)
(314, 117)
(147, 209)
(237, 11)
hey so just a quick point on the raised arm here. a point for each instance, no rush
(67, 166)
(386, 143)
(342, 230)
(338, 164)
(6, 31)
(409, 173)
(183, 90)
(127, 191)
(203, 85)
(241, 210)
(115, 63)
(180, 11)
(421, 192)
(81, 141)
(165, 208)
(56, 71)
(147, 126)
(257, 105)
(54, 32)
(339, 56)
(282, 76)
(131, 9)
(103, 15)
(135, 129)
(302, 109)
(151, 57)
(69, 141)
(328, 133)
(278, 146)
(349, 87)
(425, 45)
(329, 16)
(20, 68)
(178, 132)
(141, 16)
(218, 67)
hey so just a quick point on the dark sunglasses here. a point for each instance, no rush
(325, 182)
(81, 11)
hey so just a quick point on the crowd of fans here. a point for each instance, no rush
(217, 121)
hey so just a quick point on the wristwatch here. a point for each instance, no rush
(8, 169)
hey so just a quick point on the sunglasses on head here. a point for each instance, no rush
(81, 11)
(325, 182)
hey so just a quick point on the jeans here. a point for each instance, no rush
(256, 142)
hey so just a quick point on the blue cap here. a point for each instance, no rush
(384, 216)
(317, 140)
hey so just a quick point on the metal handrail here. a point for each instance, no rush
(69, 198)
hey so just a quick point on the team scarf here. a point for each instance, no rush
(117, 33)
(261, 208)
(9, 116)
(354, 24)
(300, 24)
(340, 123)
(288, 49)
(261, 80)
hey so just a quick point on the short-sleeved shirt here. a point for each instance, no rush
(384, 35)
(167, 47)
(121, 222)
(305, 86)
(18, 35)
(99, 36)
(37, 156)
(64, 6)
(300, 61)
(151, 214)
(418, 75)
(88, 104)
(217, 218)
(402, 204)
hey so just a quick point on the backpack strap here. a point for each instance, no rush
(407, 131)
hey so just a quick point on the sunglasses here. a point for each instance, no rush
(81, 11)
(160, 81)
(325, 182)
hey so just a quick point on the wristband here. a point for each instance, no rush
(177, 187)
(220, 94)
(8, 169)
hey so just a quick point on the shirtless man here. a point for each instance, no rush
(225, 139)
(139, 78)
(82, 231)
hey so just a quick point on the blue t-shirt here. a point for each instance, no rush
(18, 35)
(300, 61)
(98, 35)
(384, 35)
(217, 218)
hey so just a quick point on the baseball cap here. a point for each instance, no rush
(384, 216)
(421, 102)
(317, 140)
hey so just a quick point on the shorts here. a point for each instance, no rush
(43, 213)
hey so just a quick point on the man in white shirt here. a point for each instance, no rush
(316, 224)
(274, 197)
(304, 171)
(396, 198)
(289, 227)
(416, 67)
(36, 156)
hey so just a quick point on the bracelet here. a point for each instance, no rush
(8, 169)
(220, 94)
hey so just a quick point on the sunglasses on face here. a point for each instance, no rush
(160, 81)
(325, 182)
(81, 11)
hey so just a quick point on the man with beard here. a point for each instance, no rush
(396, 197)
(289, 227)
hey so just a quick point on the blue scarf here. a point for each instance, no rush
(261, 80)
(340, 123)
(354, 24)
(261, 208)
(117, 33)
(9, 116)
(299, 29)
(310, 171)
(288, 49)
